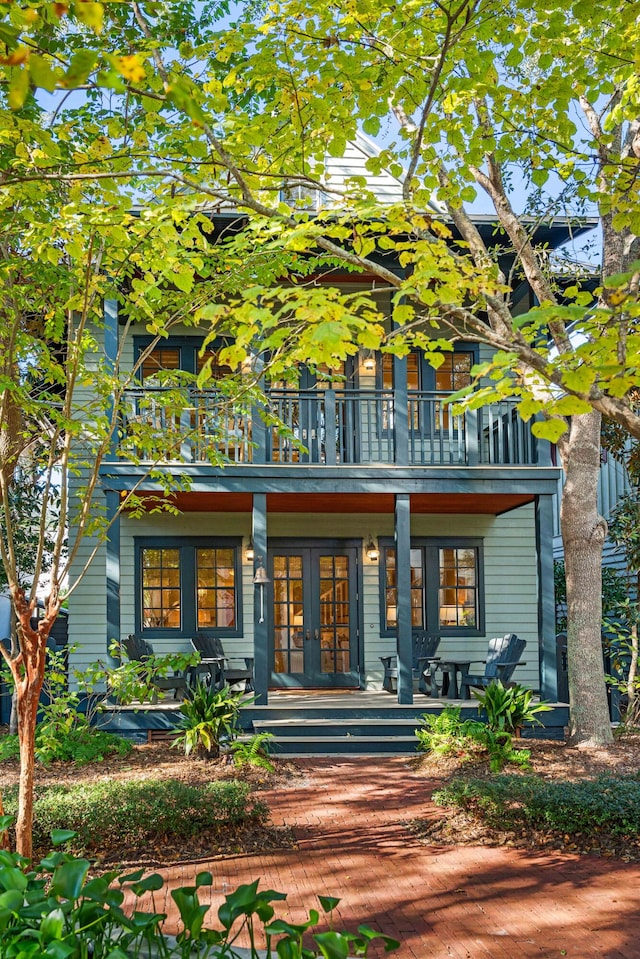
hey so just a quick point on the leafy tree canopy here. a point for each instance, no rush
(537, 101)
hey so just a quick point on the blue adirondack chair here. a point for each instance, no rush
(140, 649)
(212, 654)
(424, 658)
(503, 655)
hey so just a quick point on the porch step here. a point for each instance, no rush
(343, 745)
(305, 737)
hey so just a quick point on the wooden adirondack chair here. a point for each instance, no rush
(212, 653)
(139, 649)
(503, 655)
(423, 662)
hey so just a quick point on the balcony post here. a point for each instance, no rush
(471, 437)
(257, 453)
(330, 429)
(400, 413)
(260, 629)
(403, 585)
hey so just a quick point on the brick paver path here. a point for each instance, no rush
(441, 902)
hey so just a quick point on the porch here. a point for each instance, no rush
(312, 722)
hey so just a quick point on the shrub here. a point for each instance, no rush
(80, 743)
(207, 717)
(138, 812)
(609, 804)
(508, 708)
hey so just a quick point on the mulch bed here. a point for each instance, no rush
(160, 761)
(157, 760)
(551, 760)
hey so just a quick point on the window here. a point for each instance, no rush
(187, 585)
(446, 586)
(161, 598)
(216, 594)
(179, 353)
(452, 375)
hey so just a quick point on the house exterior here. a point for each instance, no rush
(392, 517)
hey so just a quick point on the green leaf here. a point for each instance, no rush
(90, 13)
(61, 949)
(328, 903)
(183, 279)
(42, 75)
(82, 63)
(371, 125)
(18, 87)
(621, 279)
(69, 878)
(58, 836)
(571, 406)
(11, 900)
(151, 883)
(333, 945)
(579, 380)
(13, 878)
(52, 925)
(551, 429)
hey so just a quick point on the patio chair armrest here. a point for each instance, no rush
(519, 662)
(386, 661)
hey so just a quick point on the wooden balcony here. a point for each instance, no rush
(330, 427)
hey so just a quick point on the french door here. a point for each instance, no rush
(314, 616)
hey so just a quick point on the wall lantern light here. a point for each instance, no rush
(261, 579)
(250, 552)
(372, 551)
(369, 361)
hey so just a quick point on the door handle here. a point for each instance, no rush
(316, 634)
(307, 635)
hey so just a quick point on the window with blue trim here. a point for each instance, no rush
(447, 588)
(188, 584)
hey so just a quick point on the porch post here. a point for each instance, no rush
(403, 586)
(546, 599)
(260, 632)
(113, 568)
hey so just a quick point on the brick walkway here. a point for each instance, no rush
(441, 902)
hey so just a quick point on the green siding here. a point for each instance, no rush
(509, 563)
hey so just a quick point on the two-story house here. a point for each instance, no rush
(393, 517)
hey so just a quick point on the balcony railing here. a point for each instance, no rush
(330, 427)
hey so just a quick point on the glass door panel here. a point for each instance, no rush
(314, 617)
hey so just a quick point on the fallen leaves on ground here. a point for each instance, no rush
(549, 759)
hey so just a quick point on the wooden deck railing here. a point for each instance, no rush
(330, 427)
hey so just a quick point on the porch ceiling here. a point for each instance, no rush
(493, 503)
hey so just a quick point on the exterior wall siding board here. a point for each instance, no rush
(509, 566)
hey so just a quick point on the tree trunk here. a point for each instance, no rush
(27, 718)
(28, 674)
(583, 535)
